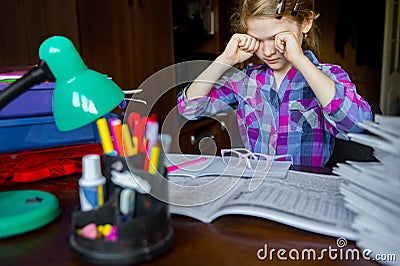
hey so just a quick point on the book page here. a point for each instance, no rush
(200, 198)
(304, 200)
(308, 201)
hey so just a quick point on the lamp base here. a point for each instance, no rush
(26, 210)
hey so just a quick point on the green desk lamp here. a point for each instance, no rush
(80, 97)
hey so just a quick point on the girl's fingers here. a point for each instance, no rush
(280, 46)
(242, 41)
(254, 44)
(248, 44)
(280, 43)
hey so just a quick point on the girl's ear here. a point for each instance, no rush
(307, 23)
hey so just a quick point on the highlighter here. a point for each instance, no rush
(116, 132)
(105, 137)
(151, 132)
(129, 150)
(154, 158)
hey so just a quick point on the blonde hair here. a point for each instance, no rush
(248, 9)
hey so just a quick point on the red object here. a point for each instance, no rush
(137, 126)
(146, 156)
(29, 166)
(178, 166)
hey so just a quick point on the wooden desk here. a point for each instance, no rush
(229, 240)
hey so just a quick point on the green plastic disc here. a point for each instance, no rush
(25, 210)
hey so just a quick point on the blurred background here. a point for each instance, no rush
(130, 40)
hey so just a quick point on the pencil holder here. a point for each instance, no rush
(134, 223)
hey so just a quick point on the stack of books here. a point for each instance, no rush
(31, 145)
(372, 190)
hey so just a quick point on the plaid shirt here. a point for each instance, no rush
(285, 121)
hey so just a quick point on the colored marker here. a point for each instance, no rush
(181, 165)
(151, 132)
(116, 131)
(137, 124)
(135, 145)
(127, 140)
(105, 136)
(146, 155)
(127, 201)
(154, 158)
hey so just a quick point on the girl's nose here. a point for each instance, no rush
(268, 48)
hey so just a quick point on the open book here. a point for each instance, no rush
(214, 166)
(303, 200)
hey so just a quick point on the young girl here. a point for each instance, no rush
(290, 104)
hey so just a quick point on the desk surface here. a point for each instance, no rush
(229, 240)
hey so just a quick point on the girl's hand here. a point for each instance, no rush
(289, 44)
(239, 48)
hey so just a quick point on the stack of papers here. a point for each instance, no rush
(371, 190)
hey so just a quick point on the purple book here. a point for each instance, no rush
(37, 101)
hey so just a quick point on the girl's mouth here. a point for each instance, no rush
(272, 61)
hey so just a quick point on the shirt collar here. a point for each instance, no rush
(310, 55)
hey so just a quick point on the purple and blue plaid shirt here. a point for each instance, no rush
(285, 121)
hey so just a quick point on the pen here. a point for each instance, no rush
(178, 166)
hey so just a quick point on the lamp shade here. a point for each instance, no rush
(81, 95)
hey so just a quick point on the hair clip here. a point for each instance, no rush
(295, 8)
(280, 9)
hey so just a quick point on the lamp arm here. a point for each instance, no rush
(35, 76)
